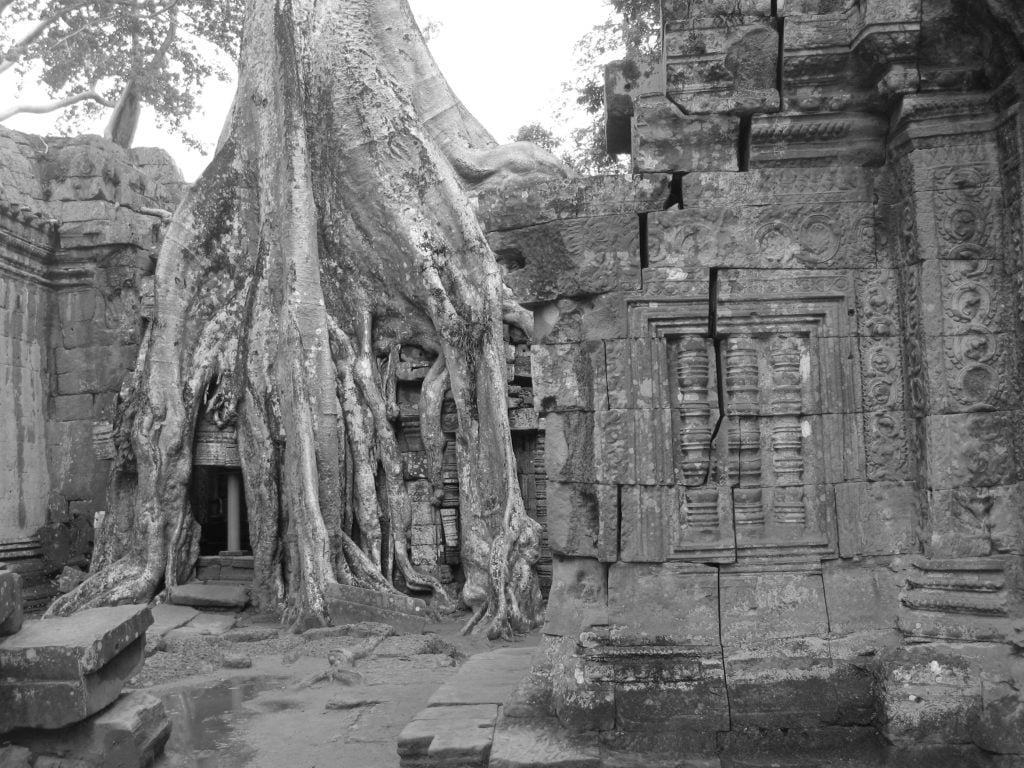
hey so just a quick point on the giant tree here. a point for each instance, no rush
(332, 227)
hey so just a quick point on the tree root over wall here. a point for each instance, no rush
(331, 228)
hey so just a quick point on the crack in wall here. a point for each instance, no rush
(743, 143)
(618, 524)
(675, 191)
(716, 340)
(780, 79)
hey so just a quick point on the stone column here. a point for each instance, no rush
(963, 363)
(235, 512)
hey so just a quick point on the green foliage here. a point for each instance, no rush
(539, 135)
(164, 48)
(631, 30)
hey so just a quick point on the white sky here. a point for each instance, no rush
(506, 61)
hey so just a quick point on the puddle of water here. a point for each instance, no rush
(203, 724)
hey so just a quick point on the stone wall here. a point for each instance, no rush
(80, 225)
(780, 378)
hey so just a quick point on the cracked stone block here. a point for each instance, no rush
(789, 235)
(569, 377)
(570, 257)
(723, 67)
(667, 141)
(503, 208)
(877, 518)
(675, 603)
(462, 735)
(129, 734)
(645, 517)
(167, 617)
(788, 684)
(569, 447)
(861, 597)
(59, 671)
(575, 513)
(203, 623)
(771, 605)
(486, 678)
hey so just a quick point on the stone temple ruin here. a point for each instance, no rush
(771, 419)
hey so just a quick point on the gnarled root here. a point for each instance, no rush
(372, 438)
(520, 162)
(124, 581)
(515, 602)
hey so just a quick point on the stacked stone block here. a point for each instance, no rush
(80, 225)
(435, 521)
(60, 687)
(782, 448)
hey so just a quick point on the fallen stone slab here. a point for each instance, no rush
(167, 617)
(209, 595)
(250, 634)
(359, 629)
(56, 672)
(211, 623)
(349, 605)
(542, 743)
(414, 645)
(236, 661)
(131, 733)
(448, 736)
(487, 678)
(11, 615)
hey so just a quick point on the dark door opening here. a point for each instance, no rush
(218, 505)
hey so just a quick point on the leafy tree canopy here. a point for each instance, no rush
(631, 29)
(96, 55)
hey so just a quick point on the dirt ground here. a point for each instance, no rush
(274, 714)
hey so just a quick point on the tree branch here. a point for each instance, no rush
(17, 50)
(53, 106)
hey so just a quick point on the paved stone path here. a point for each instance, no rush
(457, 726)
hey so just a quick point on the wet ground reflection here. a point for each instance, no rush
(203, 722)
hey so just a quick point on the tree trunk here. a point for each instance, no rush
(331, 228)
(124, 120)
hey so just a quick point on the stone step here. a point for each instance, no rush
(59, 671)
(167, 617)
(209, 594)
(487, 678)
(457, 727)
(225, 568)
(449, 736)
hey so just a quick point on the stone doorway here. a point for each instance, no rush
(218, 505)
